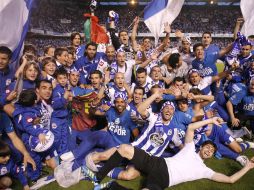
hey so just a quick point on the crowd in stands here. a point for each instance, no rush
(77, 104)
(191, 18)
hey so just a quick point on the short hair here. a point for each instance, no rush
(30, 48)
(183, 100)
(251, 36)
(47, 60)
(196, 91)
(4, 149)
(61, 71)
(139, 88)
(178, 79)
(146, 37)
(141, 70)
(29, 64)
(121, 31)
(211, 143)
(197, 45)
(6, 50)
(39, 82)
(91, 44)
(207, 32)
(173, 60)
(96, 72)
(46, 48)
(74, 34)
(156, 66)
(155, 86)
(71, 50)
(27, 98)
(59, 51)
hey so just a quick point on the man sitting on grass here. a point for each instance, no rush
(161, 173)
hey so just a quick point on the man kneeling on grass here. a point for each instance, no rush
(161, 173)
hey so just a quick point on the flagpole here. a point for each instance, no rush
(142, 12)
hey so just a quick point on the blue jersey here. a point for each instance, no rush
(236, 92)
(206, 67)
(59, 103)
(6, 77)
(14, 170)
(248, 105)
(245, 61)
(45, 111)
(120, 126)
(211, 49)
(6, 126)
(80, 51)
(86, 67)
(113, 91)
(135, 116)
(156, 137)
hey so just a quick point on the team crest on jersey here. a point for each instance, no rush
(170, 132)
(101, 63)
(7, 82)
(117, 121)
(29, 120)
(156, 139)
(4, 171)
(54, 126)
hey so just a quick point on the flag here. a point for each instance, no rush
(247, 8)
(93, 31)
(158, 12)
(14, 22)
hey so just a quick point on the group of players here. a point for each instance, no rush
(151, 103)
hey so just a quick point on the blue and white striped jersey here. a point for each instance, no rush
(156, 137)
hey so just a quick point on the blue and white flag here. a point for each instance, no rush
(14, 22)
(158, 12)
(247, 8)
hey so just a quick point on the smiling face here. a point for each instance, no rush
(31, 73)
(74, 78)
(50, 68)
(120, 105)
(91, 51)
(76, 40)
(167, 113)
(96, 80)
(111, 53)
(138, 96)
(207, 151)
(245, 51)
(4, 159)
(206, 39)
(4, 60)
(44, 91)
(199, 52)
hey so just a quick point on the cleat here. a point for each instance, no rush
(251, 144)
(239, 140)
(103, 185)
(42, 182)
(89, 173)
(243, 160)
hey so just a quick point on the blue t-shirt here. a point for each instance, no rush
(120, 126)
(248, 105)
(207, 66)
(236, 92)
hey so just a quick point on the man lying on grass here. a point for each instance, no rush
(161, 173)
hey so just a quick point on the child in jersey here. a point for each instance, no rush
(48, 68)
(9, 169)
(59, 120)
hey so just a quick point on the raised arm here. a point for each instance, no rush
(134, 34)
(239, 21)
(193, 126)
(219, 177)
(142, 108)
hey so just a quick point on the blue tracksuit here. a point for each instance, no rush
(24, 118)
(16, 171)
(59, 120)
(6, 77)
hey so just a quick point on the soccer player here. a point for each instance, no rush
(166, 172)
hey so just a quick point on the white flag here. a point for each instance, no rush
(247, 8)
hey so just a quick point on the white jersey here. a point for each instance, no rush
(46, 112)
(187, 165)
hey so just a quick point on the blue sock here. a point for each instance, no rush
(115, 172)
(244, 146)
